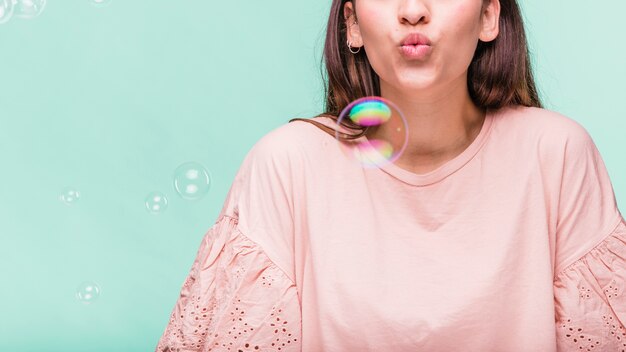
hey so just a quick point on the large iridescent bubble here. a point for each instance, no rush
(375, 114)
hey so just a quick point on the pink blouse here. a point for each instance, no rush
(516, 244)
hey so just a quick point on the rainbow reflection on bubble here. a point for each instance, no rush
(374, 153)
(370, 112)
(374, 111)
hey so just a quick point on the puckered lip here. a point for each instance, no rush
(415, 38)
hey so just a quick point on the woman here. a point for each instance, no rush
(496, 230)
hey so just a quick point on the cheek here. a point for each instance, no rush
(461, 25)
(370, 22)
(464, 19)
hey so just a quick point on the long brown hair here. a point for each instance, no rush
(500, 73)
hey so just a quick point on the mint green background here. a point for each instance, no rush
(111, 100)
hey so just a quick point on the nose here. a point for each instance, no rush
(413, 11)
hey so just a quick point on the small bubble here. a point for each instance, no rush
(156, 202)
(87, 292)
(100, 3)
(191, 180)
(28, 9)
(6, 10)
(69, 195)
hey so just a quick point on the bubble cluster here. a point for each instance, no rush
(375, 114)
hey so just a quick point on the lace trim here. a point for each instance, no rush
(589, 298)
(234, 299)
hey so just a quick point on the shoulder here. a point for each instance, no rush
(551, 131)
(544, 123)
(285, 146)
(290, 140)
(295, 133)
(553, 142)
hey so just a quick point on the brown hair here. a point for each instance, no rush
(499, 74)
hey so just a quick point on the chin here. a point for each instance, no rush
(415, 84)
(416, 79)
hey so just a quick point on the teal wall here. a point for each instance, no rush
(110, 100)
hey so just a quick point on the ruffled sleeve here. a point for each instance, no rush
(240, 294)
(590, 250)
(590, 298)
(234, 298)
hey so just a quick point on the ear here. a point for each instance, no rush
(353, 33)
(490, 21)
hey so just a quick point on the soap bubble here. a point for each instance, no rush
(28, 9)
(191, 180)
(69, 195)
(6, 10)
(101, 3)
(156, 202)
(372, 113)
(87, 292)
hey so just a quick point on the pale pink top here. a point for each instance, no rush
(515, 245)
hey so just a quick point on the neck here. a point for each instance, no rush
(441, 123)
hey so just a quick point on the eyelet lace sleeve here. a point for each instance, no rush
(233, 299)
(590, 298)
